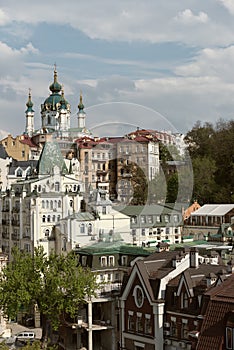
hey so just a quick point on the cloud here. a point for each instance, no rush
(228, 4)
(151, 21)
(3, 18)
(188, 17)
(211, 62)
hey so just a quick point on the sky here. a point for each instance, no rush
(159, 64)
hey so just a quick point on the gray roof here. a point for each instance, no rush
(213, 210)
(3, 153)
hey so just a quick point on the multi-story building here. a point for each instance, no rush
(97, 325)
(184, 295)
(152, 224)
(31, 207)
(162, 299)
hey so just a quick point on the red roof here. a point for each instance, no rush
(221, 302)
(28, 141)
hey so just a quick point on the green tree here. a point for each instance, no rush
(57, 284)
(199, 140)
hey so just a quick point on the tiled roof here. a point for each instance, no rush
(221, 302)
(28, 141)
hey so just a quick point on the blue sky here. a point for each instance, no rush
(160, 64)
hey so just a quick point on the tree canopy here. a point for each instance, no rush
(57, 284)
(211, 151)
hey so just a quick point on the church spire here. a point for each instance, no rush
(29, 128)
(81, 114)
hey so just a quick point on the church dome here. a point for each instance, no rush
(55, 100)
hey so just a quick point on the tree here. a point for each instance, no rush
(57, 284)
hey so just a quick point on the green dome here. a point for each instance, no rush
(56, 100)
(29, 104)
(55, 87)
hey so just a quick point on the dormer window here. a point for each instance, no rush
(19, 172)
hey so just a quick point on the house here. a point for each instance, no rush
(151, 224)
(206, 221)
(161, 299)
(184, 299)
(217, 329)
(143, 299)
(97, 323)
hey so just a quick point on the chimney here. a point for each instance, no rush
(194, 257)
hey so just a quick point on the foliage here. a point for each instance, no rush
(139, 183)
(56, 284)
(211, 150)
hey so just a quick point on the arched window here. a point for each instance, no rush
(43, 204)
(47, 204)
(48, 218)
(49, 119)
(51, 204)
(47, 232)
(56, 186)
(71, 203)
(53, 218)
(59, 204)
(43, 218)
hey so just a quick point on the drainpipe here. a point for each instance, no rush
(90, 330)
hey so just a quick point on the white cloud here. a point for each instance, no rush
(151, 21)
(228, 4)
(188, 17)
(3, 18)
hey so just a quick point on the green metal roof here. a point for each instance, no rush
(113, 248)
(50, 157)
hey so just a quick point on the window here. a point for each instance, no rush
(133, 219)
(166, 218)
(148, 325)
(51, 204)
(229, 338)
(142, 219)
(56, 186)
(59, 204)
(124, 260)
(150, 219)
(82, 228)
(130, 321)
(84, 260)
(173, 328)
(184, 329)
(19, 173)
(143, 231)
(47, 232)
(111, 261)
(43, 218)
(139, 323)
(184, 300)
(103, 210)
(23, 154)
(43, 204)
(158, 218)
(103, 261)
(48, 218)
